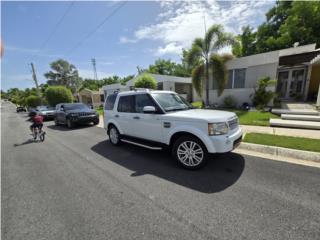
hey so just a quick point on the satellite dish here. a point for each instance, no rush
(296, 44)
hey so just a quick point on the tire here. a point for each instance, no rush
(42, 136)
(114, 136)
(56, 122)
(190, 152)
(70, 124)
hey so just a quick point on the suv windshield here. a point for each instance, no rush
(171, 101)
(45, 108)
(75, 106)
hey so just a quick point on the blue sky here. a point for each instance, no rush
(136, 35)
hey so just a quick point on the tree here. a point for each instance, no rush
(64, 74)
(58, 94)
(33, 101)
(168, 67)
(246, 43)
(145, 81)
(261, 96)
(201, 54)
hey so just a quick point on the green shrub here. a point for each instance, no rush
(261, 96)
(33, 101)
(58, 94)
(198, 104)
(145, 81)
(229, 102)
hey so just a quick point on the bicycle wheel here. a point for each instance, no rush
(42, 136)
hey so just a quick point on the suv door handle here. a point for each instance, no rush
(136, 117)
(116, 115)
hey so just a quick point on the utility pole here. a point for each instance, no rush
(34, 76)
(93, 60)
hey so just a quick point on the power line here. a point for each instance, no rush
(56, 26)
(97, 27)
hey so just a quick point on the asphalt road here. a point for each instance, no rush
(75, 185)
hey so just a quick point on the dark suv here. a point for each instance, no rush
(75, 113)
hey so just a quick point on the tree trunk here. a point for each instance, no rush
(207, 82)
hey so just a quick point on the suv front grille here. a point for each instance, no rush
(233, 123)
(84, 114)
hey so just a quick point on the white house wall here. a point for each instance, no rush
(254, 73)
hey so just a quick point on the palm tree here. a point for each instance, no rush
(203, 55)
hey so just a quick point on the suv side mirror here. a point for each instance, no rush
(149, 109)
(62, 108)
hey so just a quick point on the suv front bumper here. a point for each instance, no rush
(225, 143)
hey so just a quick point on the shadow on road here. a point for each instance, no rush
(64, 128)
(221, 172)
(25, 142)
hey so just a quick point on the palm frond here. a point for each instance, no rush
(194, 55)
(198, 78)
(219, 71)
(212, 35)
(223, 39)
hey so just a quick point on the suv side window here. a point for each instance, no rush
(110, 102)
(142, 100)
(126, 104)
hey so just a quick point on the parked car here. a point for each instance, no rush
(21, 109)
(71, 114)
(163, 119)
(46, 111)
(31, 111)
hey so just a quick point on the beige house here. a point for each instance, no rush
(89, 97)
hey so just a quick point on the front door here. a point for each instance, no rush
(144, 125)
(291, 83)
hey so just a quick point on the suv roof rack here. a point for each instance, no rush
(141, 89)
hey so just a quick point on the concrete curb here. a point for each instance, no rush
(281, 152)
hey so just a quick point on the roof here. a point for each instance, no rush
(315, 60)
(268, 57)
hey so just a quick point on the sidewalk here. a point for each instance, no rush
(291, 132)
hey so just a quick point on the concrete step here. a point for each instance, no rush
(274, 122)
(300, 117)
(296, 111)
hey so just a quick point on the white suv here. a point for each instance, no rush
(162, 119)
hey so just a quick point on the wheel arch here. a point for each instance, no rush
(197, 134)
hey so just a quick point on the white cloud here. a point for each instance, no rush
(180, 22)
(88, 73)
(30, 51)
(127, 40)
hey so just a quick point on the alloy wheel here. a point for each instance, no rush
(190, 153)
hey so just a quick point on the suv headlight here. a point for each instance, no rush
(217, 128)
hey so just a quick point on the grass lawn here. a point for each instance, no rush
(254, 118)
(299, 143)
(99, 110)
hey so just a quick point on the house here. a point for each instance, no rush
(89, 97)
(296, 69)
(181, 85)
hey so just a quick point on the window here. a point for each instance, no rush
(239, 78)
(110, 102)
(101, 97)
(126, 104)
(171, 102)
(141, 101)
(230, 80)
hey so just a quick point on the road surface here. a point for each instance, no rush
(75, 185)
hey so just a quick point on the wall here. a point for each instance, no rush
(314, 81)
(254, 73)
(240, 95)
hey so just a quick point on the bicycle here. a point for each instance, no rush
(38, 133)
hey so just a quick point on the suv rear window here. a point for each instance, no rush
(110, 102)
(126, 104)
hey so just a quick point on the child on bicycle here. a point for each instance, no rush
(37, 120)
